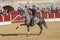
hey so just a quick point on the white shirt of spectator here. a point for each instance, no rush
(1, 9)
(46, 10)
(38, 11)
(19, 8)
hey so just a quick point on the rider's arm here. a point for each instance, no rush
(30, 9)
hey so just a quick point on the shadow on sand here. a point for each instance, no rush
(17, 34)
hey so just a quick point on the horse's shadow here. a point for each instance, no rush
(17, 34)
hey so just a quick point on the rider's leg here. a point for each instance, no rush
(33, 19)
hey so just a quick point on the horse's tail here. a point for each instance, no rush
(44, 23)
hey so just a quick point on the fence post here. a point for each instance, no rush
(3, 18)
(41, 14)
(10, 18)
(47, 15)
(54, 16)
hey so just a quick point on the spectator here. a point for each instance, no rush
(33, 10)
(19, 8)
(43, 9)
(56, 9)
(52, 7)
(5, 12)
(1, 10)
(38, 12)
(59, 10)
(47, 10)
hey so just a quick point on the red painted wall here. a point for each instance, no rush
(17, 17)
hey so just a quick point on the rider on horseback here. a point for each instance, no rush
(27, 20)
(33, 10)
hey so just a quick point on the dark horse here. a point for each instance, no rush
(37, 20)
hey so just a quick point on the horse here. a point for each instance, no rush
(37, 20)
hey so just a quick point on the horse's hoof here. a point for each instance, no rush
(28, 32)
(17, 27)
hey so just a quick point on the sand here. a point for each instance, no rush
(9, 32)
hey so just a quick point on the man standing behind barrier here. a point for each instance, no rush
(33, 10)
(1, 10)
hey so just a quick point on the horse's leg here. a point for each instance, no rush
(24, 23)
(40, 26)
(20, 26)
(28, 29)
(44, 23)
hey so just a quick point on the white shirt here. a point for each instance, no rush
(1, 9)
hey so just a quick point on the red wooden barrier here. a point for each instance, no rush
(1, 18)
(57, 15)
(44, 15)
(7, 17)
(38, 14)
(51, 15)
(16, 16)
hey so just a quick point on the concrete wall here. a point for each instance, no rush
(41, 4)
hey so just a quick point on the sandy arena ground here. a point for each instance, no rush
(9, 32)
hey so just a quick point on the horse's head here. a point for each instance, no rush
(22, 13)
